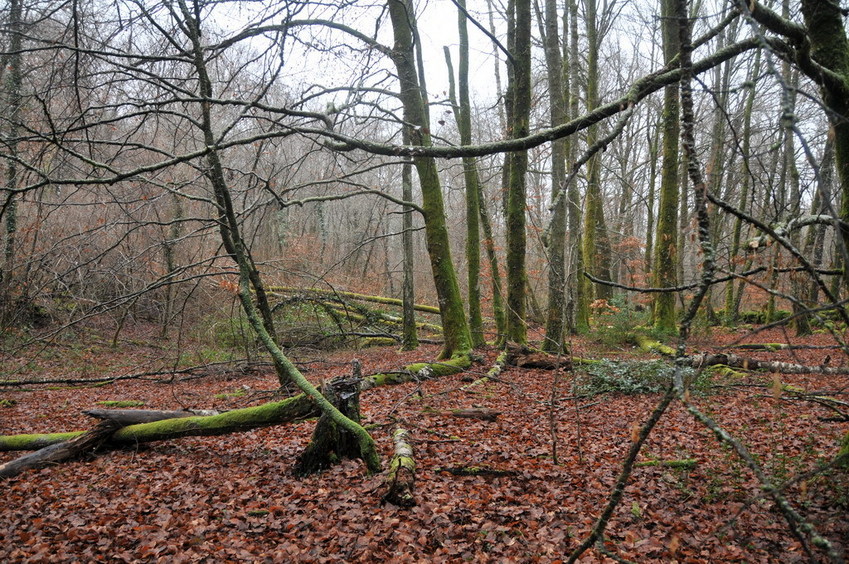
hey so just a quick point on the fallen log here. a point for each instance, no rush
(124, 417)
(734, 361)
(286, 411)
(525, 357)
(476, 471)
(482, 413)
(284, 290)
(401, 477)
(86, 442)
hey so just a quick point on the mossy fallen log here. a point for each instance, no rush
(647, 344)
(418, 371)
(274, 413)
(734, 361)
(684, 463)
(526, 357)
(285, 290)
(126, 417)
(85, 442)
(401, 477)
(476, 471)
(493, 372)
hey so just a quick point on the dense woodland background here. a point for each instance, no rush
(252, 182)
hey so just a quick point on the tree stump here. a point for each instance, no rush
(329, 443)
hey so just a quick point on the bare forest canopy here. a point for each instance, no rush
(461, 173)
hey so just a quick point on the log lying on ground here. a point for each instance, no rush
(86, 442)
(525, 357)
(277, 290)
(126, 417)
(274, 413)
(482, 413)
(476, 471)
(493, 372)
(734, 361)
(401, 476)
(647, 344)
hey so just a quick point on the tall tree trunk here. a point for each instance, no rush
(463, 112)
(666, 245)
(830, 48)
(732, 295)
(409, 338)
(596, 244)
(455, 327)
(578, 311)
(517, 187)
(554, 341)
(14, 102)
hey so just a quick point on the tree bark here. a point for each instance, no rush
(455, 327)
(666, 245)
(517, 187)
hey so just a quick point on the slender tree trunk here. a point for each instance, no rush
(579, 316)
(462, 111)
(517, 188)
(409, 339)
(666, 245)
(455, 327)
(554, 341)
(596, 244)
(14, 102)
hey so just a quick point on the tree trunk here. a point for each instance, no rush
(578, 313)
(455, 328)
(830, 48)
(596, 249)
(554, 338)
(13, 113)
(410, 340)
(666, 246)
(517, 187)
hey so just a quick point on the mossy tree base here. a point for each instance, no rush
(330, 443)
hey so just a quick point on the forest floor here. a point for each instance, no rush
(233, 498)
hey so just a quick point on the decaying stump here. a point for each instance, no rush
(401, 477)
(87, 442)
(330, 443)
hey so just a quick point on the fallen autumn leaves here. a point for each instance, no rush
(233, 498)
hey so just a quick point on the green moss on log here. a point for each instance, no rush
(443, 368)
(35, 441)
(844, 452)
(647, 344)
(686, 463)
